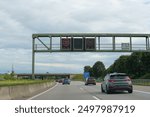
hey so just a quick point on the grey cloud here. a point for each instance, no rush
(20, 18)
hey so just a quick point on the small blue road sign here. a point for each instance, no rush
(86, 75)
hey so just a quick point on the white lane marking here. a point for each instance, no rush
(42, 92)
(141, 91)
(92, 96)
(95, 98)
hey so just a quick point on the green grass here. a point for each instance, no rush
(21, 82)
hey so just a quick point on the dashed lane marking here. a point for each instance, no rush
(95, 98)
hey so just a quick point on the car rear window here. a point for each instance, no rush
(118, 76)
(90, 78)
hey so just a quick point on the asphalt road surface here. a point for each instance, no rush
(78, 91)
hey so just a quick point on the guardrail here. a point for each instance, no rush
(145, 82)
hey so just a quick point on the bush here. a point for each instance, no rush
(8, 76)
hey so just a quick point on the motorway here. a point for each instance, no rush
(78, 91)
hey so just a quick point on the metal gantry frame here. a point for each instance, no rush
(98, 36)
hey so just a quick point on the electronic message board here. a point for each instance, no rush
(65, 43)
(77, 43)
(90, 44)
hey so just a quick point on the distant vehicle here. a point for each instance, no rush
(57, 80)
(90, 80)
(66, 81)
(60, 80)
(116, 81)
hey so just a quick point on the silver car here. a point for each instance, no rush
(116, 81)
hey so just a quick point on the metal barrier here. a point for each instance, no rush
(88, 42)
(145, 82)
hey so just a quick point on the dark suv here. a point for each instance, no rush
(90, 80)
(116, 81)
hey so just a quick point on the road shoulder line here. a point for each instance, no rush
(141, 91)
(42, 92)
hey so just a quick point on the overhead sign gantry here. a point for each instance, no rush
(88, 42)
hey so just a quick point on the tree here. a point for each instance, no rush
(120, 64)
(145, 59)
(110, 69)
(98, 69)
(87, 68)
(134, 64)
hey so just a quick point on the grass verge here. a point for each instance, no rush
(21, 82)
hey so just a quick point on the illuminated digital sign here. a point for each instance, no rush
(78, 44)
(90, 44)
(66, 43)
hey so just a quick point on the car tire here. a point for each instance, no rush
(130, 91)
(102, 90)
(107, 90)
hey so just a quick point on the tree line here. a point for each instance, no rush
(137, 65)
(97, 70)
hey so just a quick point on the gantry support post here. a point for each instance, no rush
(99, 43)
(130, 43)
(113, 43)
(50, 43)
(148, 43)
(33, 58)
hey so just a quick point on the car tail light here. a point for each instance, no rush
(111, 81)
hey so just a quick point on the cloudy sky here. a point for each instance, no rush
(19, 19)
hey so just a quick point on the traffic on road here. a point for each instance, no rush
(77, 90)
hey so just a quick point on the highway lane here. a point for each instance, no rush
(78, 91)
